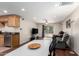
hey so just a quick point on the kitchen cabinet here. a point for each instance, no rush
(3, 18)
(3, 21)
(13, 21)
(15, 41)
(2, 25)
(1, 40)
(11, 40)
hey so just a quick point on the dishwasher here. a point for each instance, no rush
(7, 39)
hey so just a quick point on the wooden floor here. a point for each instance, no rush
(5, 52)
(60, 52)
(8, 51)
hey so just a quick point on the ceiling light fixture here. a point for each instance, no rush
(22, 9)
(46, 22)
(5, 11)
(57, 5)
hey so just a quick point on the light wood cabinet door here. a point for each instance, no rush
(1, 40)
(15, 41)
(17, 21)
(14, 21)
(3, 18)
(1, 25)
(11, 20)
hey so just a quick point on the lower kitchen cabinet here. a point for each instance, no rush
(10, 40)
(1, 40)
(15, 41)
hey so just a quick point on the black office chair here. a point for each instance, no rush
(58, 43)
(52, 46)
(53, 43)
(64, 43)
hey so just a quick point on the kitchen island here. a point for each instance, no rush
(25, 51)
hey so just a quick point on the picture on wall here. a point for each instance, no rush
(68, 23)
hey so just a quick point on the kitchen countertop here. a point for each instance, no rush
(25, 51)
(10, 32)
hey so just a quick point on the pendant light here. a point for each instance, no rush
(46, 22)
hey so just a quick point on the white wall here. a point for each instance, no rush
(25, 33)
(57, 27)
(74, 30)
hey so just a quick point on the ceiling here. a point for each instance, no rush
(39, 11)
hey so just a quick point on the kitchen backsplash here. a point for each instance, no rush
(9, 29)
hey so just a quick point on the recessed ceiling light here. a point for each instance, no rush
(5, 11)
(22, 9)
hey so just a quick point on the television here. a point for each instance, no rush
(34, 30)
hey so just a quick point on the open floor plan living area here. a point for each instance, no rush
(39, 28)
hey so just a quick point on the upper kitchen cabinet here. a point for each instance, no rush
(3, 18)
(13, 21)
(3, 21)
